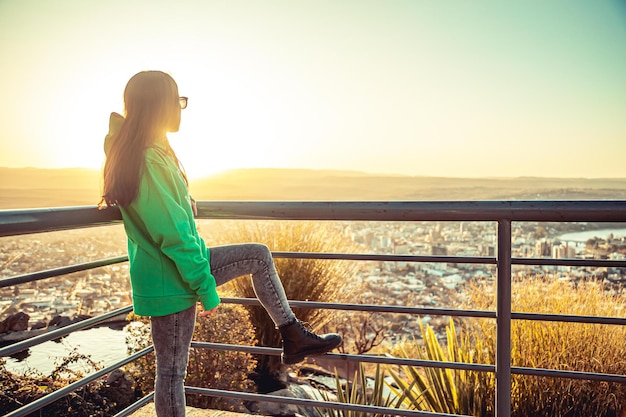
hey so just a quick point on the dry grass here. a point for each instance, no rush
(561, 346)
(551, 345)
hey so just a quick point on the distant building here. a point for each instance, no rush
(542, 248)
(563, 251)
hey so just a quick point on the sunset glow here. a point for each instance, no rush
(416, 88)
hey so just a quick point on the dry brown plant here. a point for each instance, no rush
(564, 346)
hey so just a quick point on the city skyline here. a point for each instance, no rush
(455, 89)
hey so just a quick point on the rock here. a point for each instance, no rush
(17, 322)
(62, 321)
(277, 409)
(274, 409)
(119, 388)
(39, 325)
(300, 391)
(13, 337)
(59, 321)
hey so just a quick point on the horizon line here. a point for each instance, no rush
(353, 171)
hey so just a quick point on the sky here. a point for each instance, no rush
(436, 88)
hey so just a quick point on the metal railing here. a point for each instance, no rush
(503, 213)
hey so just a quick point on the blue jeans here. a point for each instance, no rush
(172, 334)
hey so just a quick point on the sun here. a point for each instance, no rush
(227, 125)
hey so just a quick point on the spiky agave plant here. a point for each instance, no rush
(436, 389)
(358, 393)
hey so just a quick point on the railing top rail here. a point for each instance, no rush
(15, 222)
(19, 222)
(557, 210)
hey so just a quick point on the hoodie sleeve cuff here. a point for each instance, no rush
(210, 301)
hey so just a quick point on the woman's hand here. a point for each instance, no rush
(206, 312)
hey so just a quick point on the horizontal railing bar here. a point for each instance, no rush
(16, 222)
(225, 347)
(544, 211)
(448, 259)
(315, 403)
(55, 272)
(380, 258)
(60, 393)
(553, 373)
(63, 331)
(50, 273)
(569, 262)
(21, 222)
(135, 406)
(345, 357)
(566, 318)
(391, 360)
(371, 308)
(425, 363)
(437, 311)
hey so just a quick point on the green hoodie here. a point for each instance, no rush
(169, 261)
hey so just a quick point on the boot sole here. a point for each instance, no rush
(292, 359)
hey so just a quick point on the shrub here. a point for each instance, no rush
(303, 279)
(207, 368)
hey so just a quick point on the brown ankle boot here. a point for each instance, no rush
(298, 342)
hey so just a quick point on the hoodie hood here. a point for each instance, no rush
(115, 123)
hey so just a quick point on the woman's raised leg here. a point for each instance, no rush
(232, 261)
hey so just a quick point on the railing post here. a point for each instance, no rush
(503, 321)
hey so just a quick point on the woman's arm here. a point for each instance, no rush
(163, 206)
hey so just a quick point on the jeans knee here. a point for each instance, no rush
(263, 251)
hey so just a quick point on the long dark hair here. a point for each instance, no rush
(151, 110)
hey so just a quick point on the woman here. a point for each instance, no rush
(171, 269)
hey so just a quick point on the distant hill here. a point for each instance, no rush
(34, 187)
(31, 187)
(302, 184)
